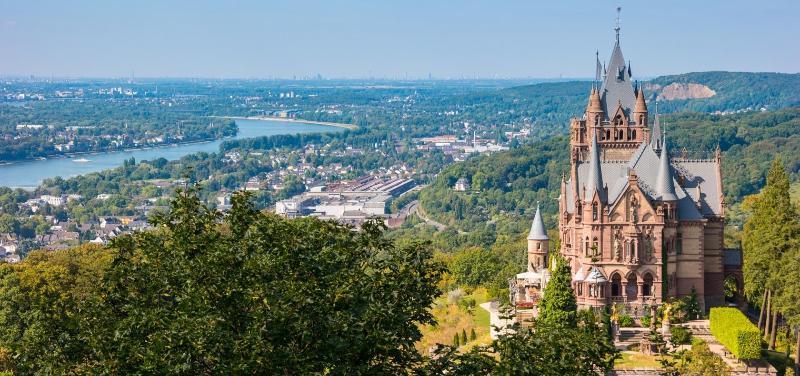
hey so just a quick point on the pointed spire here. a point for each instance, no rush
(537, 227)
(595, 182)
(598, 70)
(655, 138)
(641, 104)
(594, 102)
(665, 187)
(616, 28)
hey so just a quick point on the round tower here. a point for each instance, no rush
(538, 243)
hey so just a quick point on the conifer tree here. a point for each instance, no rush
(464, 336)
(770, 233)
(472, 335)
(456, 340)
(558, 306)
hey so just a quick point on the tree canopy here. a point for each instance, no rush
(247, 293)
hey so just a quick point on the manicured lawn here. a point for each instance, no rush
(635, 359)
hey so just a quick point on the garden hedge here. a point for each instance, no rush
(732, 328)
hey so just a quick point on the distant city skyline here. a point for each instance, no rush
(404, 39)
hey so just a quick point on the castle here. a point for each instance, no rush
(636, 224)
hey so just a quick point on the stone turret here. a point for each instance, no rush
(640, 110)
(538, 243)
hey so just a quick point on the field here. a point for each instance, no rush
(455, 312)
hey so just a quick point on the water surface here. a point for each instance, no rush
(30, 174)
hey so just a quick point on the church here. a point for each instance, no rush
(637, 224)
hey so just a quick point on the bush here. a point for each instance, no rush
(625, 321)
(646, 321)
(680, 335)
(731, 328)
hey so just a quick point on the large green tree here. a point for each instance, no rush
(558, 306)
(248, 293)
(770, 239)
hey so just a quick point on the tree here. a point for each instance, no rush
(472, 335)
(249, 293)
(44, 322)
(770, 232)
(475, 266)
(700, 360)
(558, 306)
(584, 349)
(463, 336)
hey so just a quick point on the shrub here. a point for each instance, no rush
(680, 335)
(625, 321)
(646, 321)
(731, 328)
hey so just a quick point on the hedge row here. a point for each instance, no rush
(731, 328)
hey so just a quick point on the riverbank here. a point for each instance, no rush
(291, 120)
(31, 174)
(71, 155)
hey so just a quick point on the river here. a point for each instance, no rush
(30, 174)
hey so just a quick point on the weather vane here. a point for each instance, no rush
(619, 10)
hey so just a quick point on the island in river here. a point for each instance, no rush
(30, 174)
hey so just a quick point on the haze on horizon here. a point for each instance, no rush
(414, 38)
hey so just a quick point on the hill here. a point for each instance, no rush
(508, 184)
(554, 103)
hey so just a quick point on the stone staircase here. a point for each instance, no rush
(630, 336)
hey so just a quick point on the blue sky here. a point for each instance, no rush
(382, 38)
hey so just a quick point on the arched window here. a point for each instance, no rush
(641, 119)
(586, 246)
(594, 211)
(608, 135)
(597, 119)
(634, 134)
(679, 243)
(595, 247)
(618, 120)
(647, 286)
(616, 285)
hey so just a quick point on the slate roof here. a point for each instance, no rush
(665, 188)
(595, 181)
(617, 86)
(645, 162)
(537, 227)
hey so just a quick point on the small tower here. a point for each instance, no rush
(640, 110)
(538, 243)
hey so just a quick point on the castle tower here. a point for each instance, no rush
(538, 243)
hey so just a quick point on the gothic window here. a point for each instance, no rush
(634, 134)
(597, 119)
(594, 211)
(679, 243)
(618, 120)
(608, 135)
(595, 247)
(641, 119)
(586, 246)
